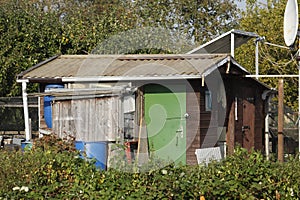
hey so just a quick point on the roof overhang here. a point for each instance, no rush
(223, 43)
(129, 78)
(95, 68)
(223, 60)
(227, 60)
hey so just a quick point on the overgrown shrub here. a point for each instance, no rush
(57, 172)
(50, 170)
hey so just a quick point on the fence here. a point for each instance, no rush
(290, 131)
(12, 114)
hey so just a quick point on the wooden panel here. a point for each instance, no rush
(42, 118)
(231, 130)
(248, 128)
(242, 90)
(95, 119)
(209, 129)
(250, 116)
(192, 122)
(259, 123)
(238, 138)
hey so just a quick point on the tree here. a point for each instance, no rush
(267, 21)
(22, 43)
(199, 20)
(33, 30)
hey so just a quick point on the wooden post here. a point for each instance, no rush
(231, 129)
(280, 120)
(142, 151)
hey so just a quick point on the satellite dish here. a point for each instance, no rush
(290, 23)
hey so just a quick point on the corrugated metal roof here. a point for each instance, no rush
(222, 44)
(152, 65)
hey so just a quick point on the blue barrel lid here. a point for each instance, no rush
(53, 86)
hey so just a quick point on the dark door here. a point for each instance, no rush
(248, 119)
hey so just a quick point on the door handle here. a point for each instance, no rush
(186, 115)
(180, 132)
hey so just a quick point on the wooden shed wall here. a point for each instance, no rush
(259, 122)
(42, 122)
(94, 119)
(247, 95)
(202, 126)
(210, 120)
(193, 121)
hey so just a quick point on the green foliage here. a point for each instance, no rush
(267, 21)
(32, 31)
(54, 144)
(51, 169)
(199, 20)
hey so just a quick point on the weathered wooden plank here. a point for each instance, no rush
(231, 130)
(95, 119)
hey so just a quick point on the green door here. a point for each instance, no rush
(165, 108)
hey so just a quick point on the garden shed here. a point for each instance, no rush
(183, 102)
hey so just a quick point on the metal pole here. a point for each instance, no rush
(276, 45)
(256, 59)
(280, 120)
(26, 114)
(267, 131)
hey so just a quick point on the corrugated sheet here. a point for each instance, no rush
(74, 118)
(222, 44)
(123, 66)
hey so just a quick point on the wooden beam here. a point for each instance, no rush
(17, 106)
(280, 120)
(230, 131)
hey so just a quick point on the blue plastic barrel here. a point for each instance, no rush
(26, 145)
(47, 104)
(79, 145)
(97, 150)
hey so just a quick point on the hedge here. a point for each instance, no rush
(55, 171)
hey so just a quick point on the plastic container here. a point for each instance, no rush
(79, 145)
(26, 145)
(97, 150)
(47, 104)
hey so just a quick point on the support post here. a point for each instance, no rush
(280, 121)
(232, 44)
(267, 131)
(26, 113)
(256, 58)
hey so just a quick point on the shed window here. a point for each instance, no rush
(208, 100)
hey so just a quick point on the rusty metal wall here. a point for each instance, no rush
(91, 119)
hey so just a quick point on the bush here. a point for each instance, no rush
(49, 170)
(57, 172)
